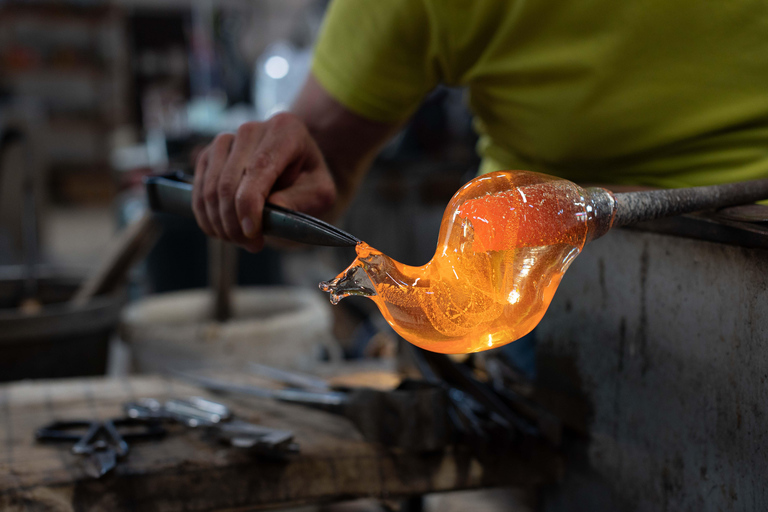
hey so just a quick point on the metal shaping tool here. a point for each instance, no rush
(268, 441)
(197, 411)
(101, 442)
(216, 418)
(173, 194)
(488, 417)
(413, 417)
(192, 412)
(295, 379)
(327, 400)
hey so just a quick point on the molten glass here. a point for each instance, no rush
(505, 241)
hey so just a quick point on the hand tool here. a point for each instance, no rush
(514, 388)
(101, 442)
(173, 194)
(264, 440)
(216, 418)
(472, 398)
(450, 405)
(413, 416)
(192, 412)
(294, 379)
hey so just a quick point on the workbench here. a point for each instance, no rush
(186, 471)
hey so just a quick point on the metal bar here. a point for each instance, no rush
(633, 207)
(222, 275)
(328, 400)
(295, 379)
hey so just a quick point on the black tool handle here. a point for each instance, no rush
(632, 207)
(175, 196)
(169, 196)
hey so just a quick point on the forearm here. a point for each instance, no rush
(348, 141)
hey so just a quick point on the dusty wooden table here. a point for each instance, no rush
(185, 471)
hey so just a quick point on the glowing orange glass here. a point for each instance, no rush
(505, 241)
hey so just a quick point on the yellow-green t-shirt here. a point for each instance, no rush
(657, 92)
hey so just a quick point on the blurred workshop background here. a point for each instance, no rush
(95, 95)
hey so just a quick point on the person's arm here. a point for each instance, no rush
(310, 160)
(349, 142)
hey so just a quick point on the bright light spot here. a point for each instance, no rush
(490, 340)
(514, 297)
(527, 265)
(589, 208)
(276, 67)
(525, 199)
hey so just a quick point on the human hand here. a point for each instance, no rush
(275, 161)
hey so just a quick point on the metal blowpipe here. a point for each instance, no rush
(632, 207)
(614, 210)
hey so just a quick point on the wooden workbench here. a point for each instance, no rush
(185, 471)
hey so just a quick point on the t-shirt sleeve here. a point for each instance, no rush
(377, 57)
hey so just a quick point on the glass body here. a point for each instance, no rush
(505, 241)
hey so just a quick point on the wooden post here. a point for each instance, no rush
(222, 273)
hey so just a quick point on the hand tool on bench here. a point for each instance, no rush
(292, 379)
(172, 193)
(413, 416)
(192, 412)
(509, 415)
(216, 418)
(263, 440)
(102, 443)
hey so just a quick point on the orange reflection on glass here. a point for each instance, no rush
(505, 241)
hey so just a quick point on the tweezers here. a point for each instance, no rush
(172, 193)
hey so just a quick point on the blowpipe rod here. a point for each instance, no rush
(632, 207)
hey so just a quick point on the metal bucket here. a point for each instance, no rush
(58, 340)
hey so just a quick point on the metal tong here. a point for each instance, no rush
(192, 412)
(216, 418)
(172, 193)
(449, 405)
(102, 443)
(412, 417)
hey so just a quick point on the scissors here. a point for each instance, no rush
(101, 442)
(172, 193)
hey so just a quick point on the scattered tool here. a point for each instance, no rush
(264, 440)
(101, 442)
(216, 418)
(426, 415)
(414, 416)
(294, 379)
(487, 415)
(192, 412)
